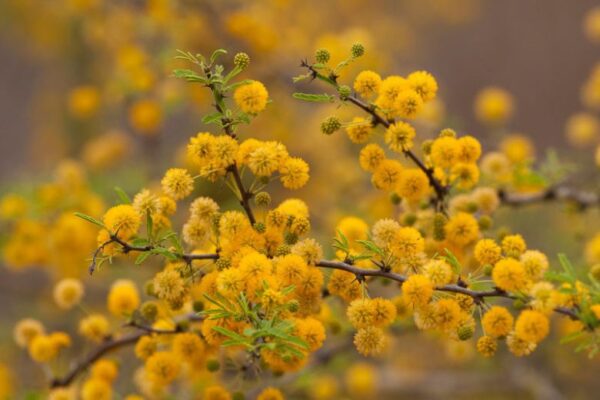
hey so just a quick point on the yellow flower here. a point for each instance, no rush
(387, 174)
(446, 314)
(582, 129)
(494, 106)
(169, 286)
(361, 313)
(146, 117)
(408, 104)
(68, 292)
(177, 183)
(413, 185)
(513, 245)
(123, 297)
(532, 326)
(462, 229)
(367, 83)
(216, 393)
(188, 346)
(359, 130)
(407, 242)
(252, 97)
(84, 101)
(270, 393)
(497, 322)
(12, 206)
(465, 176)
(94, 327)
(265, 160)
(388, 93)
(122, 220)
(162, 368)
(535, 264)
(196, 231)
(487, 252)
(96, 389)
(294, 173)
(311, 331)
(591, 25)
(399, 136)
(424, 84)
(26, 330)
(145, 347)
(417, 290)
(45, 348)
(509, 274)
(486, 346)
(371, 156)
(470, 149)
(105, 370)
(438, 271)
(361, 379)
(370, 341)
(517, 148)
(592, 250)
(445, 151)
(518, 346)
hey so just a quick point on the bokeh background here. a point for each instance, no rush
(74, 72)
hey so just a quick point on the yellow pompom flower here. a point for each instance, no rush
(470, 149)
(424, 84)
(252, 97)
(294, 173)
(94, 327)
(169, 286)
(399, 136)
(359, 130)
(367, 84)
(189, 347)
(389, 90)
(487, 252)
(413, 184)
(486, 346)
(513, 245)
(417, 290)
(408, 104)
(264, 160)
(177, 183)
(361, 379)
(370, 341)
(517, 148)
(145, 347)
(438, 271)
(407, 242)
(122, 220)
(518, 346)
(43, 349)
(592, 250)
(123, 298)
(535, 264)
(497, 322)
(84, 101)
(104, 369)
(445, 151)
(311, 331)
(464, 176)
(26, 330)
(96, 389)
(146, 117)
(532, 326)
(68, 293)
(12, 206)
(216, 393)
(361, 313)
(494, 106)
(162, 368)
(387, 174)
(270, 393)
(371, 156)
(591, 25)
(582, 129)
(446, 314)
(509, 274)
(462, 229)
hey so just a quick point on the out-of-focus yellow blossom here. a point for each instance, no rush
(494, 106)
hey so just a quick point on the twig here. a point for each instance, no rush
(581, 199)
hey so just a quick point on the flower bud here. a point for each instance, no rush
(357, 50)
(322, 56)
(330, 125)
(262, 199)
(241, 60)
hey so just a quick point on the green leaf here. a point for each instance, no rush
(572, 337)
(231, 334)
(453, 261)
(315, 98)
(372, 247)
(125, 199)
(566, 264)
(142, 257)
(189, 76)
(216, 54)
(237, 84)
(212, 118)
(90, 219)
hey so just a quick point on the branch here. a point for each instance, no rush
(581, 199)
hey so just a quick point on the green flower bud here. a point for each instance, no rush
(344, 91)
(447, 133)
(149, 311)
(519, 304)
(213, 365)
(426, 146)
(262, 199)
(223, 263)
(439, 223)
(487, 269)
(260, 227)
(465, 332)
(198, 306)
(149, 288)
(485, 222)
(409, 219)
(282, 250)
(395, 198)
(357, 50)
(322, 56)
(330, 125)
(293, 306)
(291, 238)
(472, 207)
(241, 60)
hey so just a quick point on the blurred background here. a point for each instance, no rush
(86, 88)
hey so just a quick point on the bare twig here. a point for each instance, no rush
(581, 199)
